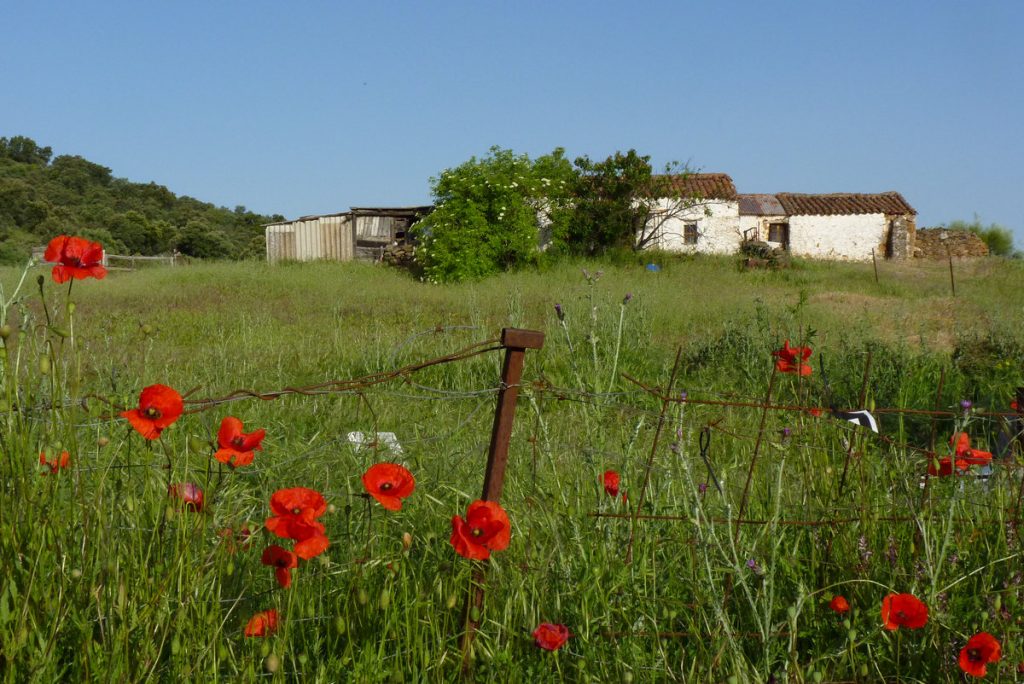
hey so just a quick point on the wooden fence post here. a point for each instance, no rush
(516, 342)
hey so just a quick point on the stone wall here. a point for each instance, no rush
(961, 243)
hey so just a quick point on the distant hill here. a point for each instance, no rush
(42, 196)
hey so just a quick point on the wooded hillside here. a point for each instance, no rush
(42, 196)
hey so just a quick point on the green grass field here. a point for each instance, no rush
(106, 578)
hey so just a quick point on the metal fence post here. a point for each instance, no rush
(516, 342)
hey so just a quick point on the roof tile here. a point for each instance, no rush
(797, 204)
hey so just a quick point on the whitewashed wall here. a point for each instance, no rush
(718, 227)
(837, 237)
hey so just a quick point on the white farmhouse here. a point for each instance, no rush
(704, 217)
(711, 217)
(846, 226)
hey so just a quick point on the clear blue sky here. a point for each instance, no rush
(311, 107)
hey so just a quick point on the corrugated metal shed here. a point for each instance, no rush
(360, 233)
(760, 205)
(310, 238)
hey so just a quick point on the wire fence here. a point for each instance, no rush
(686, 426)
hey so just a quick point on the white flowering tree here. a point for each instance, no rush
(487, 214)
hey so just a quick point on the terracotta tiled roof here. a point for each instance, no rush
(703, 185)
(844, 203)
(760, 205)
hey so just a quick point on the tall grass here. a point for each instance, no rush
(106, 578)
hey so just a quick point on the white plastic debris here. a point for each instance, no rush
(378, 440)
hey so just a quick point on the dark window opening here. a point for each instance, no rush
(690, 234)
(779, 232)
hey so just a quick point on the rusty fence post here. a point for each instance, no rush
(952, 282)
(516, 342)
(874, 262)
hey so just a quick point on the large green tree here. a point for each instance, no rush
(621, 203)
(488, 214)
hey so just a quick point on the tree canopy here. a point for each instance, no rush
(486, 214)
(42, 196)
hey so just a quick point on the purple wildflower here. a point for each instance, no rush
(625, 300)
(559, 312)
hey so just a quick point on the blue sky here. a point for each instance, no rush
(311, 107)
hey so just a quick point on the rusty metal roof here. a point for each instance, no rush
(702, 185)
(796, 204)
(760, 205)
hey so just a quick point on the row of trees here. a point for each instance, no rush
(42, 196)
(495, 213)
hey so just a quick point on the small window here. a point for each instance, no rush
(690, 234)
(778, 232)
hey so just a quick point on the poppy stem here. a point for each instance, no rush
(369, 525)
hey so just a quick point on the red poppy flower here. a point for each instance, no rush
(962, 443)
(945, 467)
(903, 610)
(189, 493)
(261, 624)
(159, 406)
(611, 483)
(485, 529)
(283, 560)
(1013, 406)
(311, 547)
(75, 258)
(981, 649)
(389, 483)
(550, 637)
(236, 447)
(839, 605)
(791, 359)
(55, 463)
(816, 412)
(297, 510)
